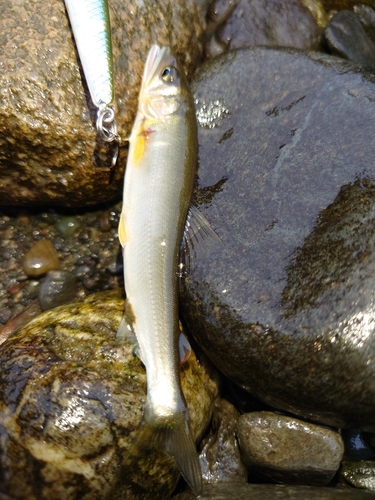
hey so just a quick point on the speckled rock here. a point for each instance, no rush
(283, 449)
(220, 457)
(284, 304)
(275, 492)
(359, 474)
(71, 401)
(346, 38)
(244, 23)
(50, 151)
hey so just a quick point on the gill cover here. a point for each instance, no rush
(161, 84)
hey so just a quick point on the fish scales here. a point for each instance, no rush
(158, 186)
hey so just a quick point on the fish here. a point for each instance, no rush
(158, 186)
(90, 23)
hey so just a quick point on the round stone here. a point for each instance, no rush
(283, 303)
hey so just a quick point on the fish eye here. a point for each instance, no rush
(170, 74)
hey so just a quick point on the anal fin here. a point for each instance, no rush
(126, 329)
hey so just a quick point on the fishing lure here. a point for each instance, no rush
(90, 23)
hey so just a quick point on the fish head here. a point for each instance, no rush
(164, 84)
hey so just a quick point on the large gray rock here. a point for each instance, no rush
(50, 151)
(284, 305)
(71, 401)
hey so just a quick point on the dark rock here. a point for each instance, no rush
(357, 446)
(359, 474)
(50, 151)
(366, 15)
(275, 492)
(220, 457)
(283, 449)
(345, 4)
(245, 23)
(59, 287)
(71, 403)
(346, 38)
(284, 305)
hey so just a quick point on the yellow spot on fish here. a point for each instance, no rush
(140, 141)
(139, 147)
(122, 230)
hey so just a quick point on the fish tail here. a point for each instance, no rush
(173, 435)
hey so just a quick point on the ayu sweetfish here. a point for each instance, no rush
(90, 24)
(158, 186)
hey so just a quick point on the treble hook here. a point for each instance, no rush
(107, 128)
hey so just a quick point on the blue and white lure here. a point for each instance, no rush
(90, 23)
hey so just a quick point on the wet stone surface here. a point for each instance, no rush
(283, 449)
(220, 456)
(359, 474)
(50, 151)
(245, 23)
(71, 402)
(276, 492)
(284, 304)
(346, 38)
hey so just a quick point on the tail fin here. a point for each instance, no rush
(173, 435)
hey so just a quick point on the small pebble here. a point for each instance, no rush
(105, 222)
(41, 258)
(58, 288)
(67, 226)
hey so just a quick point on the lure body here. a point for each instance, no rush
(90, 23)
(158, 186)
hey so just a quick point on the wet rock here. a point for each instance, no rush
(284, 449)
(357, 446)
(71, 400)
(366, 15)
(345, 4)
(318, 11)
(59, 287)
(41, 258)
(275, 492)
(50, 148)
(284, 304)
(220, 457)
(346, 38)
(244, 23)
(67, 226)
(359, 474)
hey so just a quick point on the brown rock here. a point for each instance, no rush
(50, 151)
(285, 449)
(71, 401)
(41, 258)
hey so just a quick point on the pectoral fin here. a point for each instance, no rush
(197, 233)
